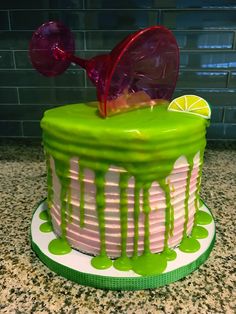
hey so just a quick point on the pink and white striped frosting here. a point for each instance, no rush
(87, 238)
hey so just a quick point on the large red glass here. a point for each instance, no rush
(142, 70)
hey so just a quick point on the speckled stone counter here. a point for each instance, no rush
(27, 286)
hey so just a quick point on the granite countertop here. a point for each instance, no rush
(28, 286)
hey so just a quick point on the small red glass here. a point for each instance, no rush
(141, 70)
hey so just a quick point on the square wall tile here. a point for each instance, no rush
(232, 80)
(32, 129)
(10, 129)
(230, 115)
(217, 114)
(8, 96)
(230, 131)
(215, 131)
(4, 23)
(6, 60)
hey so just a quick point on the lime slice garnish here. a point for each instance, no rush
(191, 104)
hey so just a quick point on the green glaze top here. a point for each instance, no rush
(146, 142)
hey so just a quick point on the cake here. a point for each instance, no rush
(124, 172)
(125, 188)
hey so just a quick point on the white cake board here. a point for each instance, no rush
(77, 267)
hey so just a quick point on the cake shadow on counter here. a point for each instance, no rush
(30, 287)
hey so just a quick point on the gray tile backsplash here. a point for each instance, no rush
(205, 32)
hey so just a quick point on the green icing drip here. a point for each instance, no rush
(146, 211)
(123, 184)
(189, 245)
(62, 170)
(44, 215)
(149, 264)
(169, 213)
(203, 218)
(59, 247)
(81, 184)
(169, 254)
(199, 232)
(49, 184)
(136, 217)
(69, 204)
(197, 197)
(200, 203)
(186, 215)
(172, 216)
(46, 227)
(123, 263)
(63, 201)
(101, 261)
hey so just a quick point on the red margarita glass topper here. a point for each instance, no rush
(141, 70)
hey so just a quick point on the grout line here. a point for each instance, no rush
(83, 6)
(18, 95)
(160, 16)
(213, 50)
(223, 116)
(234, 41)
(14, 59)
(33, 70)
(47, 87)
(13, 120)
(219, 9)
(217, 70)
(85, 80)
(222, 89)
(22, 128)
(210, 30)
(85, 42)
(228, 79)
(9, 21)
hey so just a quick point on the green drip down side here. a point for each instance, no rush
(60, 246)
(123, 263)
(49, 185)
(101, 261)
(81, 185)
(137, 189)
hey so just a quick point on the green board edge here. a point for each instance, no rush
(121, 283)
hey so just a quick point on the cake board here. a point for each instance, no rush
(76, 266)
